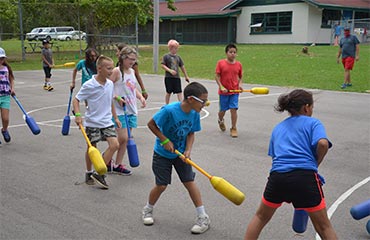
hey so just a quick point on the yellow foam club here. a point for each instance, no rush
(219, 184)
(255, 90)
(94, 155)
(68, 64)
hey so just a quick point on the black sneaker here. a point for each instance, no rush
(88, 179)
(100, 180)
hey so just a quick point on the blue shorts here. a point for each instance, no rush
(162, 169)
(228, 102)
(5, 101)
(132, 121)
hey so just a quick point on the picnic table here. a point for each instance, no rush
(35, 45)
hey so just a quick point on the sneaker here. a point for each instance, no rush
(46, 87)
(121, 170)
(343, 86)
(6, 135)
(100, 180)
(221, 124)
(201, 225)
(233, 132)
(88, 179)
(50, 88)
(148, 216)
(349, 84)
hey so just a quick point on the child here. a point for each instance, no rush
(229, 74)
(47, 64)
(98, 92)
(136, 69)
(87, 65)
(171, 63)
(124, 80)
(175, 126)
(6, 89)
(298, 146)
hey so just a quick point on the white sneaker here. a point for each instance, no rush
(148, 216)
(201, 225)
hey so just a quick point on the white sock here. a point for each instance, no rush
(91, 171)
(201, 210)
(149, 206)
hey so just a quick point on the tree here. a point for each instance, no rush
(95, 16)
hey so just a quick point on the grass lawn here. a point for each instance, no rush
(275, 65)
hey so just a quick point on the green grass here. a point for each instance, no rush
(274, 65)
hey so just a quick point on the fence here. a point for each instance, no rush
(359, 27)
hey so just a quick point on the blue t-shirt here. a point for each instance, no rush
(293, 143)
(348, 46)
(176, 125)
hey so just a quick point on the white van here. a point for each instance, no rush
(53, 32)
(33, 34)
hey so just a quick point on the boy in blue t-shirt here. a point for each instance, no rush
(175, 125)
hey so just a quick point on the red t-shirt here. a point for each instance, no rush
(230, 73)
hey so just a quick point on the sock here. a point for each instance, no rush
(49, 83)
(46, 83)
(201, 210)
(91, 171)
(149, 206)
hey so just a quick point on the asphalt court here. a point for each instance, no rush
(38, 174)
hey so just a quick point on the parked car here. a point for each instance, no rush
(72, 35)
(53, 32)
(33, 35)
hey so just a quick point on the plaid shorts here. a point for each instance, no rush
(100, 134)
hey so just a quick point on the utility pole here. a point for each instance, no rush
(21, 29)
(156, 36)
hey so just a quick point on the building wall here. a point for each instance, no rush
(306, 25)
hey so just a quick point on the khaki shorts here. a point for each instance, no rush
(100, 134)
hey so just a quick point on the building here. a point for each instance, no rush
(256, 21)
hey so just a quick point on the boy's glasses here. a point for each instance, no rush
(203, 102)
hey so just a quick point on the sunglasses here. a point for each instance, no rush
(203, 102)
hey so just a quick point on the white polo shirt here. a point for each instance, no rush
(99, 99)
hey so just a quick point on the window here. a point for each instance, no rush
(277, 22)
(329, 17)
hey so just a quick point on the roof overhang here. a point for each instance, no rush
(333, 6)
(232, 13)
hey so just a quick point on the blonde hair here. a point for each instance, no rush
(101, 60)
(173, 43)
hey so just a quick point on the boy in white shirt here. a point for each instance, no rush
(98, 92)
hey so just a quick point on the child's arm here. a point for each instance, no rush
(46, 61)
(218, 81)
(321, 150)
(74, 74)
(167, 144)
(141, 98)
(183, 69)
(140, 81)
(115, 117)
(189, 144)
(76, 109)
(167, 69)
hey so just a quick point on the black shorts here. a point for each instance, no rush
(173, 85)
(302, 188)
(47, 71)
(162, 169)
